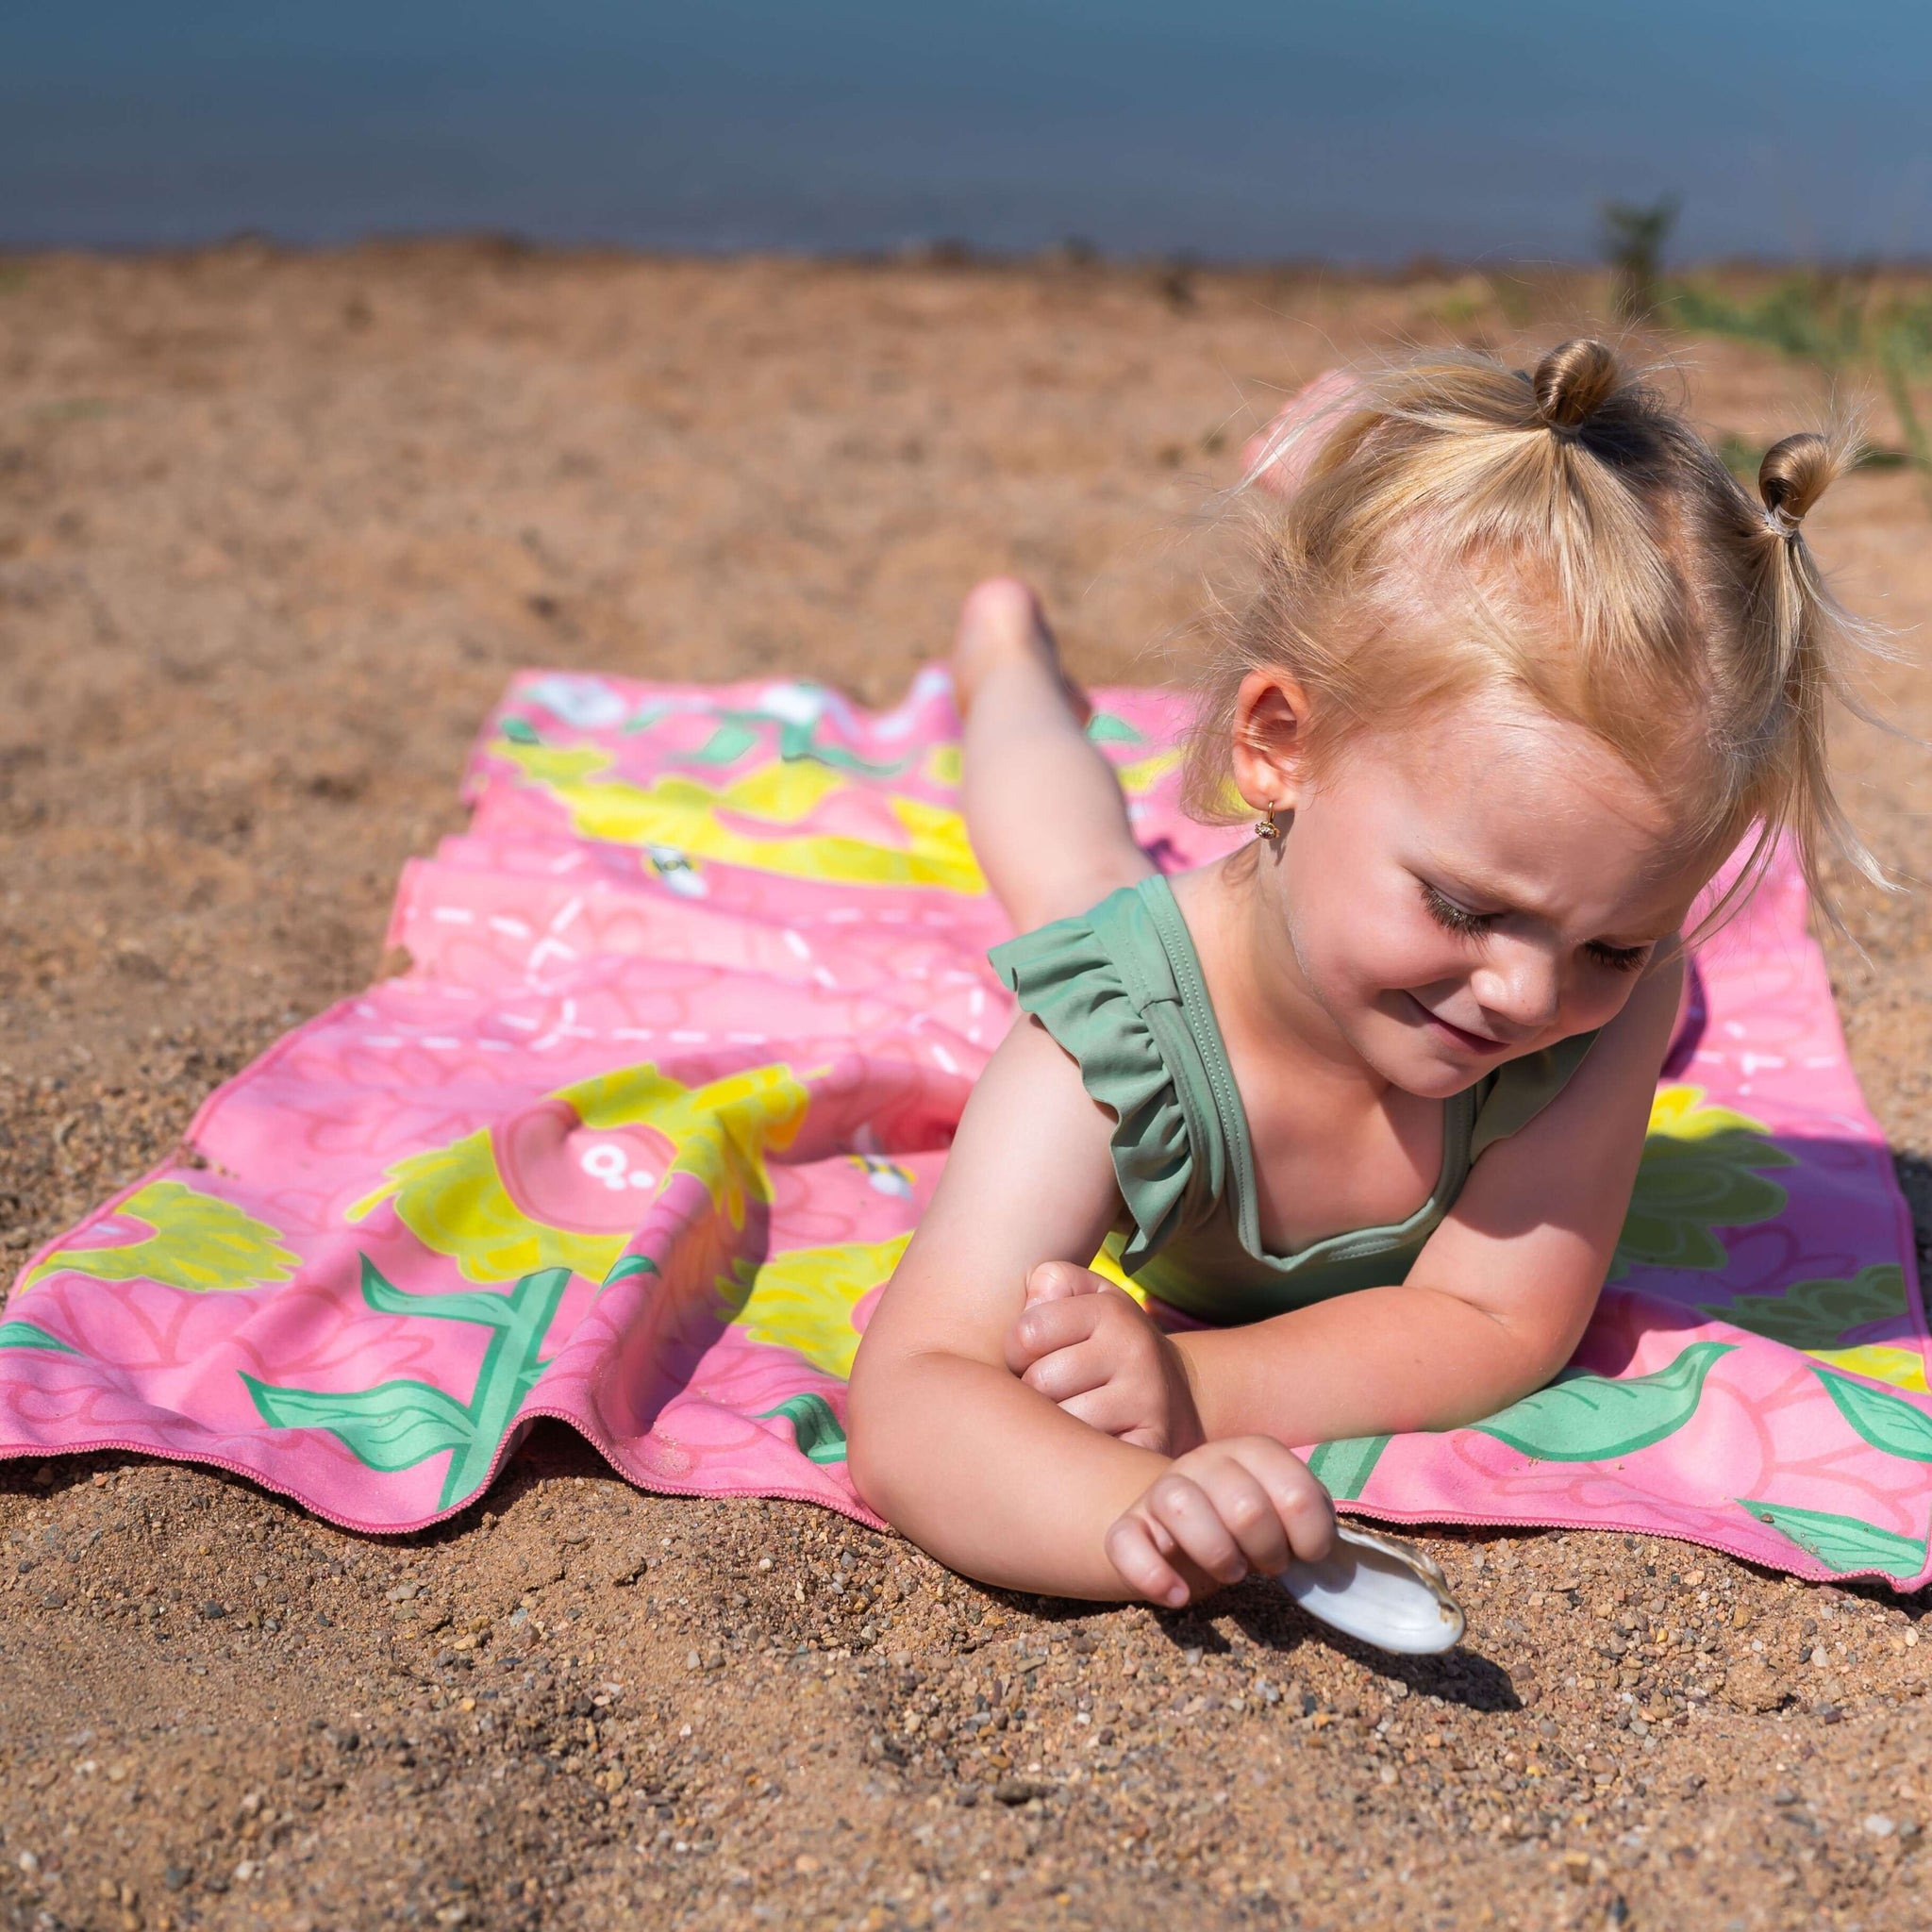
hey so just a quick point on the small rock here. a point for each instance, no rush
(805, 1865)
(1878, 1825)
(176, 1876)
(1784, 1795)
(214, 1611)
(54, 1600)
(1018, 1791)
(1752, 1685)
(405, 1592)
(692, 1661)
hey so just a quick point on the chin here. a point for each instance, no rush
(1416, 1064)
(1430, 1078)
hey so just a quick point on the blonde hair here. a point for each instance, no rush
(1599, 558)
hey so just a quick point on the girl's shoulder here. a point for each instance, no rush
(1119, 988)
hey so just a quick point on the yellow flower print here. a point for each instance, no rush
(803, 1300)
(565, 1183)
(685, 815)
(198, 1242)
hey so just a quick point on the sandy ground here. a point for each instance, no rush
(272, 535)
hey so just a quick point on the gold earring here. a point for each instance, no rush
(1265, 826)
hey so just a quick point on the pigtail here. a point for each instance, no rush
(1573, 381)
(1807, 645)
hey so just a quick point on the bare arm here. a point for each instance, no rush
(987, 1472)
(1499, 1296)
(947, 1443)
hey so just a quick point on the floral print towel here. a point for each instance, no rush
(693, 1008)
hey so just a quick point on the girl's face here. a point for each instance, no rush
(1470, 887)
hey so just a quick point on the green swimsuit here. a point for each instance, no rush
(1120, 988)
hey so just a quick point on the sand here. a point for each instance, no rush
(273, 532)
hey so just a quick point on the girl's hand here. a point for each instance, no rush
(1224, 1510)
(1095, 1352)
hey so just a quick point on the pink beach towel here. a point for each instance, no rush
(693, 1009)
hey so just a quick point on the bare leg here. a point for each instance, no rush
(1045, 814)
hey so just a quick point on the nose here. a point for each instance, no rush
(1519, 986)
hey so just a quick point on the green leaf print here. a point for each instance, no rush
(395, 1425)
(1343, 1466)
(1584, 1418)
(19, 1334)
(1887, 1422)
(1105, 727)
(1699, 1171)
(628, 1265)
(1842, 1544)
(1814, 1314)
(814, 1427)
(519, 731)
(727, 744)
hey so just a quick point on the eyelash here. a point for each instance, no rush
(1459, 919)
(1455, 918)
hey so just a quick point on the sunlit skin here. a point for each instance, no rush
(1446, 894)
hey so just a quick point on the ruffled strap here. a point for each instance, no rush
(1103, 985)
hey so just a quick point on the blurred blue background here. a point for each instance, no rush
(1363, 130)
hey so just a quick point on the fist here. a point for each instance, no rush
(1243, 1505)
(1094, 1351)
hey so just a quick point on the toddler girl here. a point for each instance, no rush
(1523, 666)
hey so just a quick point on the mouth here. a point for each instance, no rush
(1479, 1043)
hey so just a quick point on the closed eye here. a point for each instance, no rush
(1451, 916)
(1459, 919)
(1620, 958)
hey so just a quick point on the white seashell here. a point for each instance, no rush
(1380, 1590)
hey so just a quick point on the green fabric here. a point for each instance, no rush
(1120, 988)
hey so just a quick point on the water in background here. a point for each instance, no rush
(1355, 129)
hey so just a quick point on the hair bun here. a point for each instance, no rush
(1573, 381)
(1793, 476)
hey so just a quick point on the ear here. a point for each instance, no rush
(1271, 741)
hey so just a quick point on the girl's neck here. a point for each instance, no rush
(1236, 913)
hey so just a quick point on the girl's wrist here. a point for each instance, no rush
(1189, 1424)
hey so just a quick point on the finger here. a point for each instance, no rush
(1184, 1510)
(1117, 1411)
(1069, 1371)
(1142, 1567)
(1250, 1515)
(1053, 1281)
(1048, 1325)
(1305, 1509)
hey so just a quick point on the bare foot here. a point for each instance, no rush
(1001, 622)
